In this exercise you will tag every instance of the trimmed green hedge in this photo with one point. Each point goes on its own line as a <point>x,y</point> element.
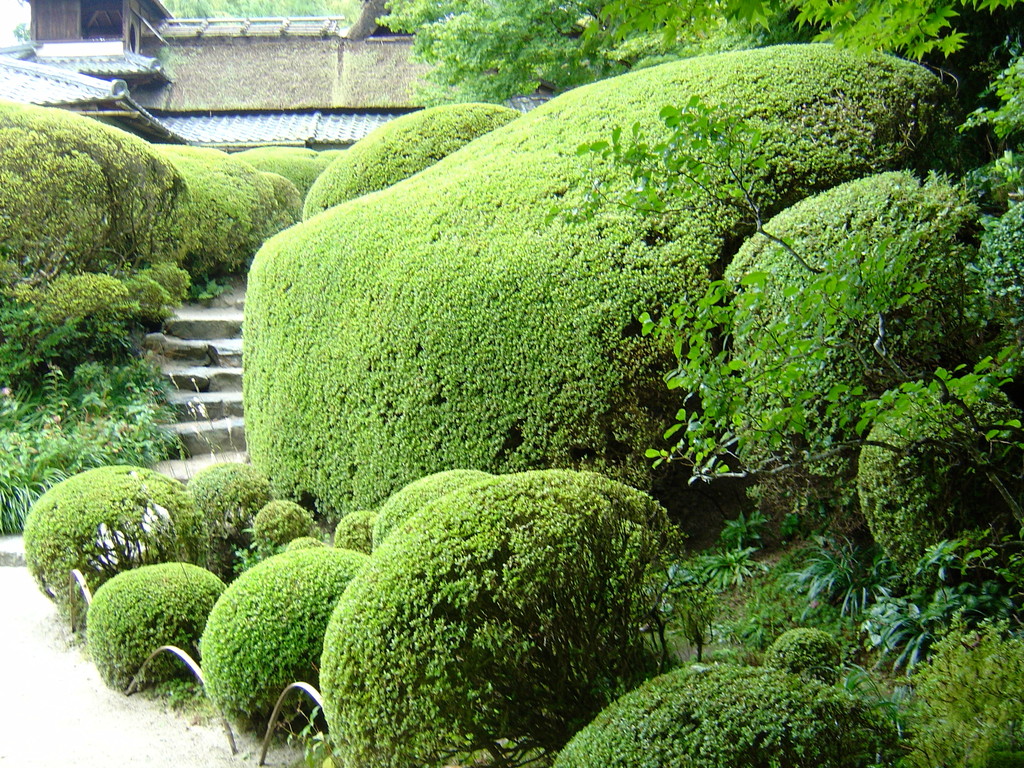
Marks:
<point>281,522</point>
<point>299,165</point>
<point>267,629</point>
<point>806,651</point>
<point>304,542</point>
<point>412,498</point>
<point>733,717</point>
<point>444,322</point>
<point>229,496</point>
<point>400,148</point>
<point>355,531</point>
<point>140,610</point>
<point>108,520</point>
<point>510,610</point>
<point>80,196</point>
<point>228,210</point>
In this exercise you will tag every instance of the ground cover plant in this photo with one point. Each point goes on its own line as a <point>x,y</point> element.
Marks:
<point>405,379</point>
<point>499,618</point>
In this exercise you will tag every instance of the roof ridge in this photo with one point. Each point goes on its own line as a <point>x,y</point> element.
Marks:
<point>108,88</point>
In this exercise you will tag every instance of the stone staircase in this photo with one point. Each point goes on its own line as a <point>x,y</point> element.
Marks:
<point>200,351</point>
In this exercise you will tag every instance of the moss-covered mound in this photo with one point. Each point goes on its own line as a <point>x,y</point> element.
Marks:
<point>106,521</point>
<point>732,717</point>
<point>444,322</point>
<point>412,498</point>
<point>280,522</point>
<point>299,165</point>
<point>140,610</point>
<point>806,651</point>
<point>79,196</point>
<point>228,210</point>
<point>911,481</point>
<point>267,629</point>
<point>229,496</point>
<point>400,148</point>
<point>509,611</point>
<point>355,531</point>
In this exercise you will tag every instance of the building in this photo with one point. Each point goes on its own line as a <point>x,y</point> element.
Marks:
<point>226,83</point>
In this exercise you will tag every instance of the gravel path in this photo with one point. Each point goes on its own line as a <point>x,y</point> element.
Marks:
<point>55,712</point>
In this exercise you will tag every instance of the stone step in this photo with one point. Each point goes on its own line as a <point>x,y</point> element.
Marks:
<point>196,322</point>
<point>197,406</point>
<point>217,437</point>
<point>185,469</point>
<point>204,378</point>
<point>219,352</point>
<point>12,551</point>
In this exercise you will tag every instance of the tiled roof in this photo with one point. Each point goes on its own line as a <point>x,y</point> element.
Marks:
<point>305,128</point>
<point>125,65</point>
<point>32,83</point>
<point>315,26</point>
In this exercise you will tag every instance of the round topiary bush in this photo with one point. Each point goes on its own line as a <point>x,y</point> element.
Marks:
<point>304,542</point>
<point>733,717</point>
<point>228,210</point>
<point>445,322</point>
<point>279,523</point>
<point>913,483</point>
<point>267,629</point>
<point>299,165</point>
<point>81,196</point>
<point>412,498</point>
<point>140,610</point>
<point>806,651</point>
<point>229,496</point>
<point>506,612</point>
<point>400,148</point>
<point>355,531</point>
<point>109,520</point>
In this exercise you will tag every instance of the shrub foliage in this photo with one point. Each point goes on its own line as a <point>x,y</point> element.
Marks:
<point>806,651</point>
<point>280,522</point>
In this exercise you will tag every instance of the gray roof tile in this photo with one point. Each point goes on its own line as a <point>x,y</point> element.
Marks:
<point>107,66</point>
<point>31,83</point>
<point>275,128</point>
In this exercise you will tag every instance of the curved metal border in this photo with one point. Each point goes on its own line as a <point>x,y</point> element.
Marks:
<point>76,583</point>
<point>306,688</point>
<point>194,668</point>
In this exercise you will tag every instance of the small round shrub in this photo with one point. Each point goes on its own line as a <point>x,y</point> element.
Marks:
<point>913,482</point>
<point>108,520</point>
<point>81,196</point>
<point>732,717</point>
<point>140,610</point>
<point>299,165</point>
<point>355,531</point>
<point>228,210</point>
<point>75,297</point>
<point>267,629</point>
<point>806,651</point>
<point>287,202</point>
<point>400,148</point>
<point>229,496</point>
<point>508,611</point>
<point>280,522</point>
<point>304,542</point>
<point>418,494</point>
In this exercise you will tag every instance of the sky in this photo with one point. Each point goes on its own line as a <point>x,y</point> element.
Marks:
<point>12,13</point>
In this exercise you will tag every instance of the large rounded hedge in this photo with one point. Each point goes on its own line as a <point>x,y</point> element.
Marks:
<point>412,498</point>
<point>924,229</point>
<point>444,322</point>
<point>80,196</point>
<point>400,148</point>
<point>267,629</point>
<point>299,165</point>
<point>506,612</point>
<point>228,210</point>
<point>140,610</point>
<point>733,717</point>
<point>229,496</point>
<point>918,481</point>
<point>108,520</point>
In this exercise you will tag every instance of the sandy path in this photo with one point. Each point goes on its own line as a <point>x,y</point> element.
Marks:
<point>55,712</point>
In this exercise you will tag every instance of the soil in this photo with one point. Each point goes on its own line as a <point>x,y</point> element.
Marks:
<point>56,712</point>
